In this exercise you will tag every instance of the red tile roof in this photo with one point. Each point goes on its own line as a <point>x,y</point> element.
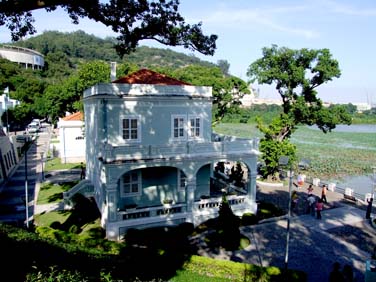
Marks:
<point>74,117</point>
<point>145,76</point>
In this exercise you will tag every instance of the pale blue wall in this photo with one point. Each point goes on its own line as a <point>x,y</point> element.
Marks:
<point>156,119</point>
<point>157,184</point>
<point>203,182</point>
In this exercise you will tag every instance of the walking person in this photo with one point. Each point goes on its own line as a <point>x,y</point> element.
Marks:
<point>311,201</point>
<point>319,207</point>
<point>324,190</point>
<point>82,175</point>
<point>294,200</point>
<point>369,208</point>
<point>310,190</point>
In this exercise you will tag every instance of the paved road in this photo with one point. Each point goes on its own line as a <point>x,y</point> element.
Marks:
<point>13,192</point>
<point>343,235</point>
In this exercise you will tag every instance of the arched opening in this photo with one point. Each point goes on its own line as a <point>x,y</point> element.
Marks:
<point>151,186</point>
<point>230,177</point>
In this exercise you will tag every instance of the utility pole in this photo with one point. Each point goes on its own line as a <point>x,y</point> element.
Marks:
<point>26,192</point>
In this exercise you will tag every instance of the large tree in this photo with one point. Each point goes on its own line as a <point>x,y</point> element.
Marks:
<point>133,20</point>
<point>227,90</point>
<point>296,75</point>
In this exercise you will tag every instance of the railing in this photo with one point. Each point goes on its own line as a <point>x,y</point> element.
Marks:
<point>165,210</point>
<point>114,153</point>
<point>359,196</point>
<point>162,210</point>
<point>216,202</point>
<point>83,186</point>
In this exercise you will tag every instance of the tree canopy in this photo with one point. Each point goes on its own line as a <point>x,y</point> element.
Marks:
<point>296,75</point>
<point>133,20</point>
<point>227,90</point>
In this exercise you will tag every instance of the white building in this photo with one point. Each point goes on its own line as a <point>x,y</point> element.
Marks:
<point>72,139</point>
<point>27,58</point>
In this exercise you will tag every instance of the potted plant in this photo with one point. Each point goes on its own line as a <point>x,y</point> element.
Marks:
<point>167,201</point>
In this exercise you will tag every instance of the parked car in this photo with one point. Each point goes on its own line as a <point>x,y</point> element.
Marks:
<point>33,127</point>
<point>37,121</point>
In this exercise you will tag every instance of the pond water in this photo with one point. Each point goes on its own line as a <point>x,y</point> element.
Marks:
<point>361,184</point>
<point>357,128</point>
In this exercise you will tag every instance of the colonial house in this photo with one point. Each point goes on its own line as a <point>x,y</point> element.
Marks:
<point>152,158</point>
<point>72,138</point>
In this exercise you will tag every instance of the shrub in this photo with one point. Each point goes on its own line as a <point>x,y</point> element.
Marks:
<point>74,229</point>
<point>228,226</point>
<point>186,228</point>
<point>249,219</point>
<point>54,274</point>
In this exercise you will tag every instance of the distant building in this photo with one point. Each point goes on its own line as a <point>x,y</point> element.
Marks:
<point>27,58</point>
<point>6,103</point>
<point>72,138</point>
<point>361,107</point>
<point>254,99</point>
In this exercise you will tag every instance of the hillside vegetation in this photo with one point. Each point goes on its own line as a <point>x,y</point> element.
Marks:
<point>79,45</point>
<point>76,61</point>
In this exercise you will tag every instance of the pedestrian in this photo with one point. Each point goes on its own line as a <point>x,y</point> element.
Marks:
<point>294,200</point>
<point>82,175</point>
<point>311,201</point>
<point>310,190</point>
<point>323,194</point>
<point>319,207</point>
<point>336,275</point>
<point>348,274</point>
<point>369,208</point>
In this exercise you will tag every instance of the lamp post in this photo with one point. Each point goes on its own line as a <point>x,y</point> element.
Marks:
<point>284,160</point>
<point>26,191</point>
<point>41,160</point>
<point>373,187</point>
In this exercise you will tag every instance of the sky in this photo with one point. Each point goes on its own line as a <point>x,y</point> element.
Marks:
<point>347,28</point>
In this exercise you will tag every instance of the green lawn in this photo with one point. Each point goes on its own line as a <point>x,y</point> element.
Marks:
<point>45,219</point>
<point>55,164</point>
<point>52,193</point>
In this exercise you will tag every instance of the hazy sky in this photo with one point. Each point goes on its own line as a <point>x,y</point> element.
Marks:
<point>244,27</point>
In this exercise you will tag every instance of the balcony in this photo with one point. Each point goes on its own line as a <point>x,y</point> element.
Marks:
<point>218,147</point>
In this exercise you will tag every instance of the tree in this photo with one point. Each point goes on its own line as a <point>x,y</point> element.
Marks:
<point>224,65</point>
<point>296,75</point>
<point>227,90</point>
<point>132,20</point>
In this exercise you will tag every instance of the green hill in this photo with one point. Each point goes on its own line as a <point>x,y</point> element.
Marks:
<point>79,46</point>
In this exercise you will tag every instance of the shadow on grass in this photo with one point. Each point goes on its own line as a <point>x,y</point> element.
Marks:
<point>148,254</point>
<point>55,197</point>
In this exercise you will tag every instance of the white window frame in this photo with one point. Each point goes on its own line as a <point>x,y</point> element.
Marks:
<point>180,178</point>
<point>138,182</point>
<point>183,127</point>
<point>189,126</point>
<point>131,117</point>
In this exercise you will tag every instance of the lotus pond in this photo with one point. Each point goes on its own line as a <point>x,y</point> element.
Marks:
<point>333,155</point>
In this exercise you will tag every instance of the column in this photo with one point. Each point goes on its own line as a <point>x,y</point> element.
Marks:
<point>190,194</point>
<point>251,189</point>
<point>112,201</point>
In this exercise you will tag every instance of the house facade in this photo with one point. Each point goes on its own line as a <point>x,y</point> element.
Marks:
<point>153,159</point>
<point>71,138</point>
<point>9,156</point>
